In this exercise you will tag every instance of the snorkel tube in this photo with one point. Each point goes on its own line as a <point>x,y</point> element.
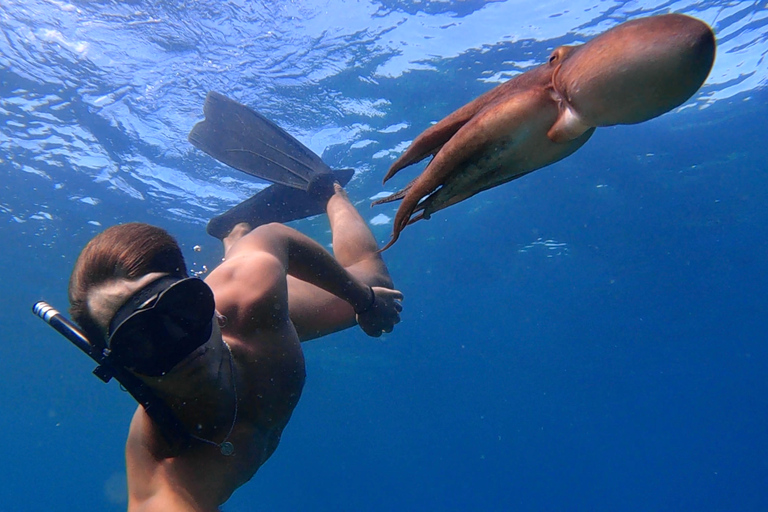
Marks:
<point>170,426</point>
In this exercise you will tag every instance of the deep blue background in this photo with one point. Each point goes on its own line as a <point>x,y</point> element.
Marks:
<point>625,370</point>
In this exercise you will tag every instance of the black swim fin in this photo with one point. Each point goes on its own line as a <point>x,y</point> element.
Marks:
<point>278,203</point>
<point>244,139</point>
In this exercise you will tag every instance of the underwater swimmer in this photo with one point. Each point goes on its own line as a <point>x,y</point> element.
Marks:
<point>216,365</point>
<point>223,354</point>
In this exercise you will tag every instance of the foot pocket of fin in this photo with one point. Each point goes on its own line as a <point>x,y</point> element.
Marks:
<point>279,203</point>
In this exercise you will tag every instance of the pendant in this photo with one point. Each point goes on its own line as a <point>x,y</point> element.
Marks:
<point>227,448</point>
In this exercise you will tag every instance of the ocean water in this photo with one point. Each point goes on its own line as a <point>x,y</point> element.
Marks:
<point>591,337</point>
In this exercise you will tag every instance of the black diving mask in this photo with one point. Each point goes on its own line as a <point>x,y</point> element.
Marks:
<point>161,324</point>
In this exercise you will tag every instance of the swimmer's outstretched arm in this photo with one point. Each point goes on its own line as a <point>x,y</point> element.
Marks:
<point>349,297</point>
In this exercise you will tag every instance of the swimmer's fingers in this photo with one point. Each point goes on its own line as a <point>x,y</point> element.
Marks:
<point>384,314</point>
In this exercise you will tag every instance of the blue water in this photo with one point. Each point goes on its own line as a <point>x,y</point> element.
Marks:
<point>590,337</point>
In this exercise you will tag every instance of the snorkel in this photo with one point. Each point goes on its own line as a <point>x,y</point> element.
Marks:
<point>170,426</point>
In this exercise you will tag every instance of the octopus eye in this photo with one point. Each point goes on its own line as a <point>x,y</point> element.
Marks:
<point>555,56</point>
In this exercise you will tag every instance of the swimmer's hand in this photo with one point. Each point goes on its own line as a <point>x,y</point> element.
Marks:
<point>383,313</point>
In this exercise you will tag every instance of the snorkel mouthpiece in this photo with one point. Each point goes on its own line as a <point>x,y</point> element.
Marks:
<point>160,325</point>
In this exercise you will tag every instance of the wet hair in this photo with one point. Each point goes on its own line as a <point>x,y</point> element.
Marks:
<point>127,251</point>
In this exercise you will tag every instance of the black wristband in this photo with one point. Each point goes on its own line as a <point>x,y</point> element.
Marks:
<point>369,306</point>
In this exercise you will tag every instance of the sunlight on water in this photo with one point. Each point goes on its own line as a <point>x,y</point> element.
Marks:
<point>551,248</point>
<point>380,220</point>
<point>117,81</point>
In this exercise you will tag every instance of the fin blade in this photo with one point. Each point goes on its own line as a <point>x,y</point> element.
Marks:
<point>244,139</point>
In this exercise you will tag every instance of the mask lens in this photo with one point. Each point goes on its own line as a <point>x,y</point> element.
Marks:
<point>164,330</point>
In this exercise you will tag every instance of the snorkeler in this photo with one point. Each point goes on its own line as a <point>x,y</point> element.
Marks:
<point>218,363</point>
